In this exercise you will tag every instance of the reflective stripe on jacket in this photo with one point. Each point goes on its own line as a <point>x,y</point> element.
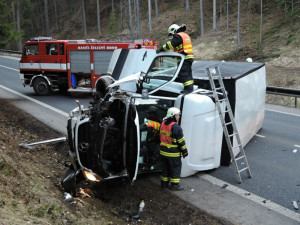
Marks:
<point>167,141</point>
<point>154,125</point>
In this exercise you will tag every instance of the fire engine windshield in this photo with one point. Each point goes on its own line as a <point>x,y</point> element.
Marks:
<point>32,49</point>
<point>162,70</point>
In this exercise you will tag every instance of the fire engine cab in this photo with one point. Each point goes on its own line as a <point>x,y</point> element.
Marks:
<point>74,65</point>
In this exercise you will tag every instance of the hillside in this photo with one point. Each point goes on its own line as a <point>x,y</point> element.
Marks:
<point>278,50</point>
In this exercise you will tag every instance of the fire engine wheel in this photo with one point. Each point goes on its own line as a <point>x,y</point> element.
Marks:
<point>41,87</point>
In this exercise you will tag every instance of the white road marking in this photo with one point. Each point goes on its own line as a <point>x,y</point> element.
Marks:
<point>11,57</point>
<point>259,200</point>
<point>35,101</point>
<point>297,146</point>
<point>292,114</point>
<point>258,135</point>
<point>9,68</point>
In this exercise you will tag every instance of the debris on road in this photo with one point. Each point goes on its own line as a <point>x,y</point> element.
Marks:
<point>295,205</point>
<point>295,150</point>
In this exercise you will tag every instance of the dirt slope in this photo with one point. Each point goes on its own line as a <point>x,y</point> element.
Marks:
<point>30,190</point>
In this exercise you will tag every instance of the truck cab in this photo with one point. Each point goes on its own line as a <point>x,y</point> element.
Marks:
<point>109,139</point>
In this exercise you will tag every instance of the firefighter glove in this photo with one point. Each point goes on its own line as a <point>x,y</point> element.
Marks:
<point>185,154</point>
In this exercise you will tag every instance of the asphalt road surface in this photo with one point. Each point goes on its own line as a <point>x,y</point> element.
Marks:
<point>273,154</point>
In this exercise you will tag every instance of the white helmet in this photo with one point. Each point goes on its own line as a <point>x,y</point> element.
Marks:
<point>171,112</point>
<point>173,29</point>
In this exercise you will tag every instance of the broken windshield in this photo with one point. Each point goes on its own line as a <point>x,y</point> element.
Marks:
<point>162,70</point>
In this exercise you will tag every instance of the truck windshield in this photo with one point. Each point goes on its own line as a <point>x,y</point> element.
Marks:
<point>32,49</point>
<point>162,70</point>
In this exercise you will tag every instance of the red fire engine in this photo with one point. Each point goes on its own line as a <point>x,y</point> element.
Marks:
<point>73,65</point>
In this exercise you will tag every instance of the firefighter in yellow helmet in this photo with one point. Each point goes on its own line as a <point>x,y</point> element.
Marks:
<point>172,147</point>
<point>181,43</point>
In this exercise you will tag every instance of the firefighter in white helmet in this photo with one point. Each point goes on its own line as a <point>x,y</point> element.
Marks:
<point>181,43</point>
<point>172,147</point>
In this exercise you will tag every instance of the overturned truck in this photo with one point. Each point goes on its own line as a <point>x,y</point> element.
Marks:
<point>109,139</point>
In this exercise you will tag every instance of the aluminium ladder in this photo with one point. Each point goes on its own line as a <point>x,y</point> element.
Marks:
<point>222,113</point>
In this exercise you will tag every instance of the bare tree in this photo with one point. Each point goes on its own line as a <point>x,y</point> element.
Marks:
<point>55,15</point>
<point>46,18</point>
<point>138,16</point>
<point>187,5</point>
<point>156,9</point>
<point>227,15</point>
<point>149,14</point>
<point>215,15</point>
<point>83,20</point>
<point>238,23</point>
<point>18,25</point>
<point>261,18</point>
<point>121,15</point>
<point>201,18</point>
<point>98,18</point>
<point>130,19</point>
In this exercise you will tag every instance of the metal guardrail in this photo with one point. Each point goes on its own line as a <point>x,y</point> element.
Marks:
<point>10,51</point>
<point>285,92</point>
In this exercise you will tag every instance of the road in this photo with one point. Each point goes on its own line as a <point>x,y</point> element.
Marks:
<point>273,155</point>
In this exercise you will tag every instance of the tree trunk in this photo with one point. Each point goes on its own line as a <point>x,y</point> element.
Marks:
<point>227,14</point>
<point>55,15</point>
<point>83,20</point>
<point>149,14</point>
<point>121,15</point>
<point>187,5</point>
<point>98,18</point>
<point>215,15</point>
<point>238,23</point>
<point>130,19</point>
<point>201,18</point>
<point>19,25</point>
<point>156,9</point>
<point>138,16</point>
<point>47,18</point>
<point>261,18</point>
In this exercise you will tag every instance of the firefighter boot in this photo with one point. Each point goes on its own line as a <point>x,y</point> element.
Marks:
<point>176,187</point>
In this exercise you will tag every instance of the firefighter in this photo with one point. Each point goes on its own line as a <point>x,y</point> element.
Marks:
<point>181,43</point>
<point>172,147</point>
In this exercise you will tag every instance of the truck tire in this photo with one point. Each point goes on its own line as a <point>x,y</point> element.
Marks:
<point>41,86</point>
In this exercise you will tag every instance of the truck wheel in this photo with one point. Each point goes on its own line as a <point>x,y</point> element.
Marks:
<point>41,87</point>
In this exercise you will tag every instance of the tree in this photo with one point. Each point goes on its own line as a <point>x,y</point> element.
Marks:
<point>261,18</point>
<point>138,16</point>
<point>47,18</point>
<point>156,9</point>
<point>215,15</point>
<point>227,15</point>
<point>98,18</point>
<point>238,23</point>
<point>187,5</point>
<point>83,20</point>
<point>149,14</point>
<point>55,15</point>
<point>201,18</point>
<point>130,19</point>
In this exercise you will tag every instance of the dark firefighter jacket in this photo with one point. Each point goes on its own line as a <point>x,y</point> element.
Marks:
<point>172,141</point>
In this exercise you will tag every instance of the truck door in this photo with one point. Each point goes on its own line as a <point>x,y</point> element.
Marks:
<point>31,57</point>
<point>54,57</point>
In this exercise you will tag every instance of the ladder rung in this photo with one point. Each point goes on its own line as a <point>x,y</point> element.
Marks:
<point>241,157</point>
<point>231,135</point>
<point>243,169</point>
<point>227,111</point>
<point>228,123</point>
<point>236,146</point>
<point>219,88</point>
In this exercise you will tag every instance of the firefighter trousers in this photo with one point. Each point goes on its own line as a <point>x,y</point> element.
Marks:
<point>171,169</point>
<point>185,75</point>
